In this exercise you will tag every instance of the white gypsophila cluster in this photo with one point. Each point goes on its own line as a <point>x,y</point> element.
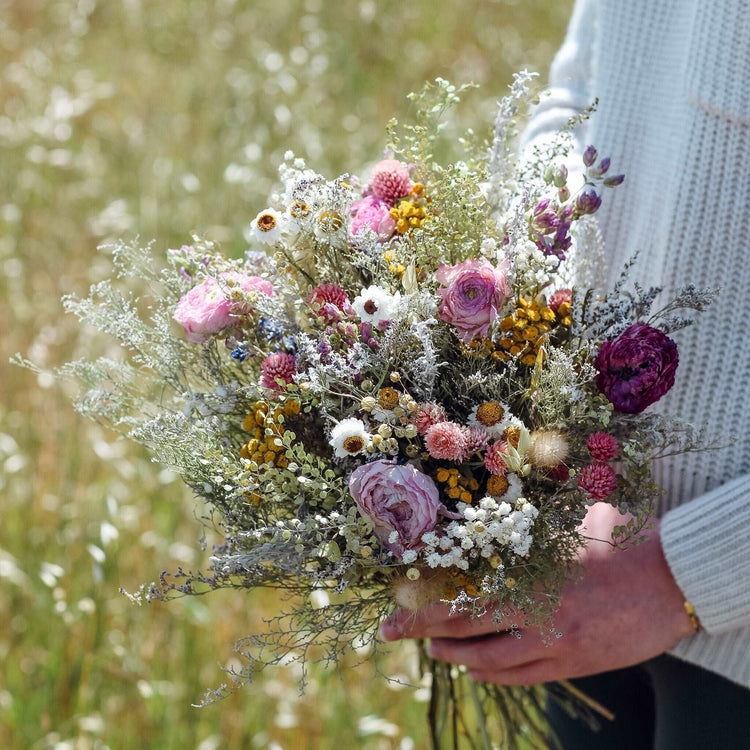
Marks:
<point>531,268</point>
<point>486,530</point>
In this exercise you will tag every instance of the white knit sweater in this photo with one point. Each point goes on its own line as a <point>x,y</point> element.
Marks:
<point>673,82</point>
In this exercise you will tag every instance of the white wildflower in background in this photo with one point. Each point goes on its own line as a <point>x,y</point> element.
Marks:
<point>267,227</point>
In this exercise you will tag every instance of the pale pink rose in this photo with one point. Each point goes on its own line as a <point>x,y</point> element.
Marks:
<point>397,498</point>
<point>207,308</point>
<point>473,293</point>
<point>375,214</point>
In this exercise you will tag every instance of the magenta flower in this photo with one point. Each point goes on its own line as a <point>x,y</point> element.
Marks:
<point>208,308</point>
<point>602,446</point>
<point>474,292</point>
<point>476,439</point>
<point>598,479</point>
<point>559,297</point>
<point>428,415</point>
<point>389,180</point>
<point>637,368</point>
<point>278,365</point>
<point>401,502</point>
<point>375,214</point>
<point>332,300</point>
<point>447,440</point>
<point>493,458</point>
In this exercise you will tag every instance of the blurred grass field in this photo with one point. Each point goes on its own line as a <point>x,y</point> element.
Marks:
<point>139,117</point>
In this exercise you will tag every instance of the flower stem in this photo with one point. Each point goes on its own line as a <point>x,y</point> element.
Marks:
<point>481,717</point>
<point>587,700</point>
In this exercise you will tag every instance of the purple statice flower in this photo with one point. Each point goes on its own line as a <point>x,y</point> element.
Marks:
<point>637,368</point>
<point>589,156</point>
<point>614,180</point>
<point>588,202</point>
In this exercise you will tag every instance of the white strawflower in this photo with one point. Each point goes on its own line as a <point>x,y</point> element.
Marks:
<point>349,437</point>
<point>266,227</point>
<point>375,305</point>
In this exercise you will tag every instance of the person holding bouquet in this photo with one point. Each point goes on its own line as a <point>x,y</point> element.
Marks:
<point>660,632</point>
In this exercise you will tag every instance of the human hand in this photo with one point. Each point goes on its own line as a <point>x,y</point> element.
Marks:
<point>623,609</point>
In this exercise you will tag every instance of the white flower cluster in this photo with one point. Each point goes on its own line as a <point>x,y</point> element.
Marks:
<point>531,267</point>
<point>483,532</point>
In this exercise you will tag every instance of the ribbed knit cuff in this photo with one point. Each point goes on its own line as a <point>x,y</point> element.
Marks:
<point>707,545</point>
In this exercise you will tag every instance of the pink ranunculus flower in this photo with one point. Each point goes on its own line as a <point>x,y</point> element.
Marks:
<point>397,498</point>
<point>375,214</point>
<point>473,293</point>
<point>207,308</point>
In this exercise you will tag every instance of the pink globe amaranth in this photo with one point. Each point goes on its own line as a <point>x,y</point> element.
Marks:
<point>389,180</point>
<point>400,498</point>
<point>375,214</point>
<point>332,302</point>
<point>447,440</point>
<point>598,480</point>
<point>207,308</point>
<point>637,368</point>
<point>493,458</point>
<point>559,297</point>
<point>602,446</point>
<point>473,293</point>
<point>428,415</point>
<point>275,367</point>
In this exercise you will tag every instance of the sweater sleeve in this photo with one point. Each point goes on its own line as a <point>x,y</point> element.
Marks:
<point>707,545</point>
<point>569,88</point>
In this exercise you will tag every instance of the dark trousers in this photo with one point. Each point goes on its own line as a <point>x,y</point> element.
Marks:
<point>663,704</point>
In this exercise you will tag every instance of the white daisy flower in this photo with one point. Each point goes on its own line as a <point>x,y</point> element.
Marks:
<point>349,437</point>
<point>492,416</point>
<point>267,226</point>
<point>329,226</point>
<point>375,305</point>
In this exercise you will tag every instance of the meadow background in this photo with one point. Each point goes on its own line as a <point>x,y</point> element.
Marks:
<point>157,118</point>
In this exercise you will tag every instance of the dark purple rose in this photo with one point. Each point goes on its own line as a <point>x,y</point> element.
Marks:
<point>637,368</point>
